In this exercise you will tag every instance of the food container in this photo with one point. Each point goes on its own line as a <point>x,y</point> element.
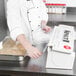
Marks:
<point>11,50</point>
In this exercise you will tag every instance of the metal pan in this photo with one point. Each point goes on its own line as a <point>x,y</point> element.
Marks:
<point>11,58</point>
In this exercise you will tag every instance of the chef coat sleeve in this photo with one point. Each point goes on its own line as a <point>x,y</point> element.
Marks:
<point>44,15</point>
<point>14,19</point>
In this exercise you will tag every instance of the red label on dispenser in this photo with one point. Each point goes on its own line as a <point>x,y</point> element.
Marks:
<point>67,47</point>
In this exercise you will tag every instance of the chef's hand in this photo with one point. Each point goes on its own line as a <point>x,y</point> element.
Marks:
<point>45,27</point>
<point>33,52</point>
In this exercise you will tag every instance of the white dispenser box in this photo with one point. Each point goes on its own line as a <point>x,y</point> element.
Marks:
<point>59,60</point>
<point>60,48</point>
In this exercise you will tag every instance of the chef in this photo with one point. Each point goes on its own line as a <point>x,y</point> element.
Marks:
<point>27,22</point>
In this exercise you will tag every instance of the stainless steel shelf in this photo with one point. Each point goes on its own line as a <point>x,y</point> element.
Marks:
<point>62,17</point>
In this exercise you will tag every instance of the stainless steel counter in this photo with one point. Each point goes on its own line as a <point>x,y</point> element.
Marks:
<point>33,67</point>
<point>69,17</point>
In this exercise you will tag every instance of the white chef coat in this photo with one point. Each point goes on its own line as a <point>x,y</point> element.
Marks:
<point>24,17</point>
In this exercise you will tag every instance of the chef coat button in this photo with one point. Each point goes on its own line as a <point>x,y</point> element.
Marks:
<point>38,25</point>
<point>39,16</point>
<point>27,12</point>
<point>29,21</point>
<point>37,7</point>
<point>28,0</point>
<point>32,30</point>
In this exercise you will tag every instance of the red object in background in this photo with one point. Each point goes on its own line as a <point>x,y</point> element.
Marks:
<point>53,4</point>
<point>44,0</point>
<point>67,47</point>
